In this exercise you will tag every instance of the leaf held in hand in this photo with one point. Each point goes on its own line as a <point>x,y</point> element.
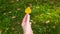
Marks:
<point>28,10</point>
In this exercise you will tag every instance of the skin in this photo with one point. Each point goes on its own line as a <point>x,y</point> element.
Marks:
<point>26,25</point>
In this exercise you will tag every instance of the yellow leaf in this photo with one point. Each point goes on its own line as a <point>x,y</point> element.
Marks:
<point>28,10</point>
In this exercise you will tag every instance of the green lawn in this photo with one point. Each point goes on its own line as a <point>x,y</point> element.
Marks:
<point>45,16</point>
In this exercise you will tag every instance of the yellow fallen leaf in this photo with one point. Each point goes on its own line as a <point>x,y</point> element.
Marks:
<point>28,10</point>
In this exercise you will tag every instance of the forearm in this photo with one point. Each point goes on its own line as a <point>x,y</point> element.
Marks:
<point>28,32</point>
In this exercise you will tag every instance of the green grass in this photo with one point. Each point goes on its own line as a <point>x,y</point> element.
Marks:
<point>45,16</point>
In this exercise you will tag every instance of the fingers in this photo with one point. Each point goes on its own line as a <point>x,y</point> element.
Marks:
<point>26,19</point>
<point>30,23</point>
<point>23,22</point>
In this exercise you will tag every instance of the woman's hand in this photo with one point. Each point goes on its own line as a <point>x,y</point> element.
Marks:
<point>26,25</point>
